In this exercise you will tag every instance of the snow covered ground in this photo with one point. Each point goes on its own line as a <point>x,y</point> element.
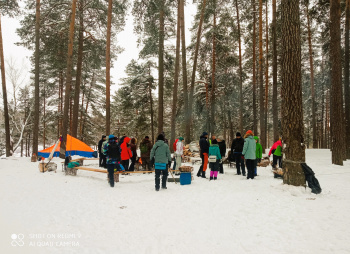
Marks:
<point>54,213</point>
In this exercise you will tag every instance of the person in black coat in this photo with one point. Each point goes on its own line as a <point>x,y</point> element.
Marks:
<point>204,151</point>
<point>222,146</point>
<point>102,157</point>
<point>236,150</point>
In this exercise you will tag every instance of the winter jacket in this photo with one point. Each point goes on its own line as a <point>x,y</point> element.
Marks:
<point>149,146</point>
<point>100,144</point>
<point>237,145</point>
<point>258,148</point>
<point>103,150</point>
<point>204,145</point>
<point>179,147</point>
<point>160,152</point>
<point>277,146</point>
<point>215,150</point>
<point>133,148</point>
<point>110,160</point>
<point>126,152</point>
<point>222,146</point>
<point>249,148</point>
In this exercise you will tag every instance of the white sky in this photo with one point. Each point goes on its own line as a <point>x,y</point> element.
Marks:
<point>126,39</point>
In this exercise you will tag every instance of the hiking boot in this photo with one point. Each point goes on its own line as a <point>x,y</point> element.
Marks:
<point>203,174</point>
<point>215,178</point>
<point>157,189</point>
<point>164,187</point>
<point>211,178</point>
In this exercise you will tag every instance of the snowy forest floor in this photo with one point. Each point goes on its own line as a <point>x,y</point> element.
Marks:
<point>55,213</point>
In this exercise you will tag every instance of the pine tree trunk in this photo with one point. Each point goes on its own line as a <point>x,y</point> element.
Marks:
<point>266,75</point>
<point>292,111</point>
<point>274,74</point>
<point>261,81</point>
<point>93,82</point>
<point>161,69</point>
<point>36,79</point>
<point>195,59</point>
<point>213,88</point>
<point>347,79</point>
<point>108,69</point>
<point>75,121</point>
<point>337,114</point>
<point>184,74</point>
<point>44,120</point>
<point>240,71</point>
<point>313,103</point>
<point>68,81</point>
<point>255,122</point>
<point>4,94</point>
<point>176,77</point>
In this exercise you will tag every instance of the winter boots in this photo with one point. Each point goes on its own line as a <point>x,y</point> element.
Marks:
<point>203,174</point>
<point>200,171</point>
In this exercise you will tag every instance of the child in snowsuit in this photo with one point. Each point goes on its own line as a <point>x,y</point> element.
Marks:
<point>214,150</point>
<point>258,155</point>
<point>112,152</point>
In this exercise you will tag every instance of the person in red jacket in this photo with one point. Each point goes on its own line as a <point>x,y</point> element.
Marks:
<point>126,153</point>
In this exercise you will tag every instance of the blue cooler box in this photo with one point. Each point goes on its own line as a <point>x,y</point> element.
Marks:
<point>185,178</point>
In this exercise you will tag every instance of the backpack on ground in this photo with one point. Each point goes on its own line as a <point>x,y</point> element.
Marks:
<point>312,181</point>
<point>114,151</point>
<point>144,148</point>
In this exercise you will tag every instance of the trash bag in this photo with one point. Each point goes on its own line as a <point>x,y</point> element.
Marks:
<point>312,181</point>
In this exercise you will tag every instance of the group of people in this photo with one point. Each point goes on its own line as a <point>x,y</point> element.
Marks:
<point>116,153</point>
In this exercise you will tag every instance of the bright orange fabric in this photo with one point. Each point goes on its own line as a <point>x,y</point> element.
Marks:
<point>72,144</point>
<point>205,161</point>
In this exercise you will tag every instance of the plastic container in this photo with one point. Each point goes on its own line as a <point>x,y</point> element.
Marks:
<point>185,178</point>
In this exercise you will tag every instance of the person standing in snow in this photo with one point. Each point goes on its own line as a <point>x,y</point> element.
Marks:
<point>276,150</point>
<point>126,154</point>
<point>258,154</point>
<point>103,150</point>
<point>161,157</point>
<point>133,148</point>
<point>145,149</point>
<point>204,150</point>
<point>102,158</point>
<point>112,153</point>
<point>249,153</point>
<point>214,150</point>
<point>236,150</point>
<point>178,154</point>
<point>222,146</point>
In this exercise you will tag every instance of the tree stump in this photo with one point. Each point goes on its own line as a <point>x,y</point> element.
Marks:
<point>293,173</point>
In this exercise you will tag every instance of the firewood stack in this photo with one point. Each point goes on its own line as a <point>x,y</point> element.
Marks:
<point>188,153</point>
<point>186,169</point>
<point>264,162</point>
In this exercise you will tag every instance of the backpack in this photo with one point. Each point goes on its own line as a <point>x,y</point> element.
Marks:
<point>144,148</point>
<point>114,151</point>
<point>174,145</point>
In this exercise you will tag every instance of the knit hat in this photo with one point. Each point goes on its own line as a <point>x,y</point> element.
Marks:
<point>160,137</point>
<point>214,142</point>
<point>238,134</point>
<point>103,136</point>
<point>204,134</point>
<point>181,138</point>
<point>249,132</point>
<point>111,137</point>
<point>146,137</point>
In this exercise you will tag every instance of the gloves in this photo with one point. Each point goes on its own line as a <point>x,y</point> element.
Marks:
<point>152,162</point>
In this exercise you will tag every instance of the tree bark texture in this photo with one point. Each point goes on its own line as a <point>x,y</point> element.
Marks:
<point>161,69</point>
<point>108,69</point>
<point>75,121</point>
<point>261,80</point>
<point>292,111</point>
<point>255,122</point>
<point>195,60</point>
<point>347,79</point>
<point>176,78</point>
<point>212,104</point>
<point>36,79</point>
<point>4,96</point>
<point>266,74</point>
<point>274,74</point>
<point>68,81</point>
<point>337,114</point>
<point>240,71</point>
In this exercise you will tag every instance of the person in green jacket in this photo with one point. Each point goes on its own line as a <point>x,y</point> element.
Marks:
<point>258,154</point>
<point>249,152</point>
<point>161,158</point>
<point>214,150</point>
